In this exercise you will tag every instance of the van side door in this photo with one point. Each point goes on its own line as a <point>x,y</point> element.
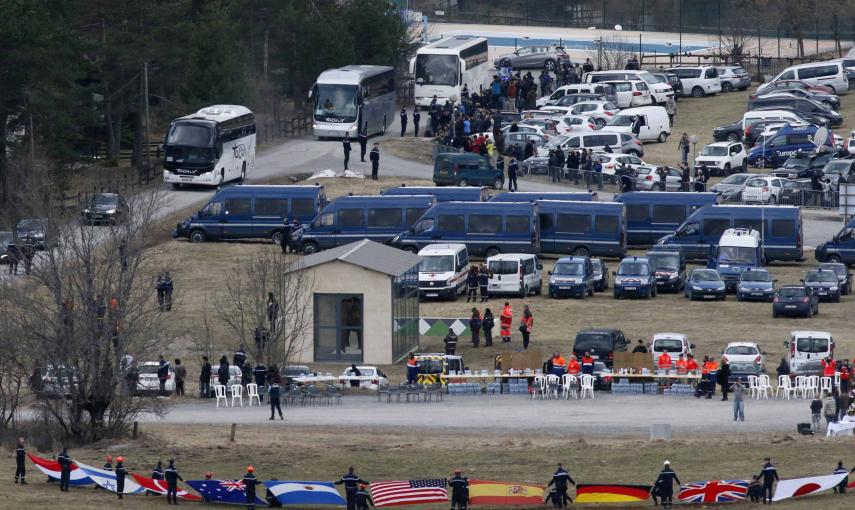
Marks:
<point>236,221</point>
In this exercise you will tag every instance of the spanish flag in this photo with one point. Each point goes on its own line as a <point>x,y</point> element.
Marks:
<point>611,493</point>
<point>485,492</point>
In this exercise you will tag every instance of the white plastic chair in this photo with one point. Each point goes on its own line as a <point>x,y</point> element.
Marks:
<point>587,385</point>
<point>764,386</point>
<point>825,386</point>
<point>801,386</point>
<point>538,385</point>
<point>753,382</point>
<point>568,386</point>
<point>785,387</point>
<point>552,385</point>
<point>220,392</point>
<point>837,380</point>
<point>813,385</point>
<point>252,393</point>
<point>237,393</point>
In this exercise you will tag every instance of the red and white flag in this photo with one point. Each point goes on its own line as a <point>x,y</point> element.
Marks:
<point>408,492</point>
<point>804,486</point>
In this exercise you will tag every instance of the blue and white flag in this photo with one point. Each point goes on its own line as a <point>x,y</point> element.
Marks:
<point>107,480</point>
<point>223,491</point>
<point>297,492</point>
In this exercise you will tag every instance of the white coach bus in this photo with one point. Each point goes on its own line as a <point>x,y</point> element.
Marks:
<point>210,147</point>
<point>351,97</point>
<point>443,67</point>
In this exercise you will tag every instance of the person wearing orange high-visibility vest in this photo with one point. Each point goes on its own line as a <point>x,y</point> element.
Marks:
<point>558,365</point>
<point>664,362</point>
<point>573,366</point>
<point>705,375</point>
<point>712,376</point>
<point>588,364</point>
<point>691,364</point>
<point>681,365</point>
<point>828,367</point>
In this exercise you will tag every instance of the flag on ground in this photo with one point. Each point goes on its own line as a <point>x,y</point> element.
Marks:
<point>610,493</point>
<point>107,480</point>
<point>51,469</point>
<point>486,492</point>
<point>159,487</point>
<point>223,491</point>
<point>408,492</point>
<point>714,491</point>
<point>796,487</point>
<point>296,492</point>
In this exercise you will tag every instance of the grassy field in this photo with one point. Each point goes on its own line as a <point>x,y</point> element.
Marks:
<point>383,454</point>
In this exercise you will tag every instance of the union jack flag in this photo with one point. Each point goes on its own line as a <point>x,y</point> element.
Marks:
<point>714,491</point>
<point>232,485</point>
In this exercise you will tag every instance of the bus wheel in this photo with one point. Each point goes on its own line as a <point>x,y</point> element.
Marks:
<point>497,185</point>
<point>835,258</point>
<point>409,249</point>
<point>197,236</point>
<point>176,185</point>
<point>492,251</point>
<point>463,182</point>
<point>242,173</point>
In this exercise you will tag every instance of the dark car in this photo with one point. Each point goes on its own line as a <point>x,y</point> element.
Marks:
<point>796,300</point>
<point>601,275</point>
<point>6,238</point>
<point>105,208</point>
<point>824,284</point>
<point>466,169</point>
<point>796,191</point>
<point>290,372</point>
<point>740,371</point>
<point>673,80</point>
<point>837,168</point>
<point>807,369</point>
<point>755,284</point>
<point>844,277</point>
<point>786,84</point>
<point>803,164</point>
<point>670,268</point>
<point>602,376</point>
<point>600,343</point>
<point>829,100</point>
<point>797,104</point>
<point>705,284</point>
<point>37,231</point>
<point>728,132</point>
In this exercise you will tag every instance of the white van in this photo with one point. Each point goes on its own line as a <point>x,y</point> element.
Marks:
<point>443,271</point>
<point>659,89</point>
<point>631,93</point>
<point>770,116</point>
<point>698,81</point>
<point>654,123</point>
<point>597,141</point>
<point>514,273</point>
<point>578,88</point>
<point>806,346</point>
<point>674,344</point>
<point>831,74</point>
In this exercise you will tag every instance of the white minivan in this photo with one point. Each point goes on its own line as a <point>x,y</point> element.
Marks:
<point>654,123</point>
<point>514,273</point>
<point>698,81</point>
<point>659,89</point>
<point>631,93</point>
<point>770,116</point>
<point>831,73</point>
<point>675,344</point>
<point>804,346</point>
<point>443,271</point>
<point>577,88</point>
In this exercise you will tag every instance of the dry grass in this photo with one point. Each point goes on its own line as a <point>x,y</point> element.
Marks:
<point>325,454</point>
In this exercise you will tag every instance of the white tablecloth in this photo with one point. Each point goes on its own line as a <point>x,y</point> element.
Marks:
<point>841,428</point>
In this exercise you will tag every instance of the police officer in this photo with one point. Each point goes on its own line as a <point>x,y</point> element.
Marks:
<point>374,156</point>
<point>157,472</point>
<point>64,461</point>
<point>346,146</point>
<point>513,166</point>
<point>459,491</point>
<point>239,357</point>
<point>664,484</point>
<point>561,479</point>
<point>108,464</point>
<point>287,228</point>
<point>484,282</point>
<point>274,383</point>
<point>472,284</point>
<point>351,483</point>
<point>362,137</point>
<point>769,475</point>
<point>167,285</point>
<point>840,470</point>
<point>260,375</point>
<point>171,475</point>
<point>20,466</point>
<point>417,117</point>
<point>250,482</point>
<point>403,122</point>
<point>121,474</point>
<point>363,498</point>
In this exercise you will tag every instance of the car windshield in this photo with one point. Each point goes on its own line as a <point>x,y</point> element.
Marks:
<point>741,350</point>
<point>632,269</point>
<point>621,120</point>
<point>797,161</point>
<point>821,276</point>
<point>665,262</point>
<point>569,269</point>
<point>668,345</point>
<point>593,341</point>
<point>437,264</point>
<point>31,224</point>
<point>836,167</point>
<point>105,200</point>
<point>504,266</point>
<point>556,142</point>
<point>736,179</point>
<point>792,292</point>
<point>598,264</point>
<point>741,254</point>
<point>714,151</point>
<point>839,269</point>
<point>705,276</point>
<point>756,276</point>
<point>336,101</point>
<point>812,345</point>
<point>751,368</point>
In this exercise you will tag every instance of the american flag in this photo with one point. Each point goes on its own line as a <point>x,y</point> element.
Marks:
<point>408,492</point>
<point>714,491</point>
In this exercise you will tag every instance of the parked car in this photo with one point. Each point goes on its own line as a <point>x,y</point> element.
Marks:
<point>234,377</point>
<point>755,285</point>
<point>37,231</point>
<point>612,161</point>
<point>647,179</point>
<point>602,376</point>
<point>698,81</point>
<point>378,377</point>
<point>673,80</point>
<point>763,189</point>
<point>743,352</point>
<point>462,169</point>
<point>837,168</point>
<point>675,344</point>
<point>631,93</point>
<point>803,164</point>
<point>824,284</point>
<point>601,275</point>
<point>728,132</point>
<point>566,103</point>
<point>635,277</point>
<point>600,343</point>
<point>6,238</point>
<point>55,381</point>
<point>515,273</point>
<point>600,111</point>
<point>729,189</point>
<point>829,100</point>
<point>785,84</point>
<point>797,104</point>
<point>569,123</point>
<point>795,300</point>
<point>572,277</point>
<point>844,277</point>
<point>723,158</point>
<point>542,56</point>
<point>733,78</point>
<point>670,269</point>
<point>705,284</point>
<point>741,371</point>
<point>148,381</point>
<point>108,208</point>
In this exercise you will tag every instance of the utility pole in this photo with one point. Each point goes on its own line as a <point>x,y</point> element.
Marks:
<point>680,52</point>
<point>145,99</point>
<point>32,143</point>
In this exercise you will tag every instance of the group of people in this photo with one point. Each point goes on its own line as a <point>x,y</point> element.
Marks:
<point>373,156</point>
<point>267,378</point>
<point>164,287</point>
<point>21,252</point>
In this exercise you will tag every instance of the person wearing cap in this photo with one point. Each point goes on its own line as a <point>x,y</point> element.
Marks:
<point>769,475</point>
<point>65,463</point>
<point>573,366</point>
<point>459,491</point>
<point>171,475</point>
<point>664,484</point>
<point>588,364</point>
<point>250,482</point>
<point>108,463</point>
<point>121,474</point>
<point>20,465</point>
<point>351,483</point>
<point>561,479</point>
<point>363,498</point>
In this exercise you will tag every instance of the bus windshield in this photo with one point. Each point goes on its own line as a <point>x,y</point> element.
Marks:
<point>437,69</point>
<point>336,101</point>
<point>191,135</point>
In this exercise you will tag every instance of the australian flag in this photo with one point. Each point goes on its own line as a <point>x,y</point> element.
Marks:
<point>223,491</point>
<point>714,491</point>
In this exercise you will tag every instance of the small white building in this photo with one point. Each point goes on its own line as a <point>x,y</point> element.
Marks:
<point>365,304</point>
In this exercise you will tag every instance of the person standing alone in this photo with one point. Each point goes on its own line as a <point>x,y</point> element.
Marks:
<point>363,142</point>
<point>171,475</point>
<point>526,323</point>
<point>738,401</point>
<point>403,122</point>
<point>769,475</point>
<point>505,322</point>
<point>345,145</point>
<point>417,117</point>
<point>20,465</point>
<point>375,160</point>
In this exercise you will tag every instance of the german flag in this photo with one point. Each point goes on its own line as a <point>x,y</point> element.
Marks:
<point>611,493</point>
<point>486,492</point>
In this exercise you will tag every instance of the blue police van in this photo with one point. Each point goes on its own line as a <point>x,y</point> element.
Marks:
<point>582,228</point>
<point>486,228</point>
<point>534,196</point>
<point>789,140</point>
<point>351,218</point>
<point>442,194</point>
<point>841,247</point>
<point>653,214</point>
<point>780,227</point>
<point>249,211</point>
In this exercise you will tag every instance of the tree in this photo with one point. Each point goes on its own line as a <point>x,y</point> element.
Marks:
<point>612,52</point>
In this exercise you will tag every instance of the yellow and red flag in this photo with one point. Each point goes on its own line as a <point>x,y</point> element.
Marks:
<point>608,493</point>
<point>487,492</point>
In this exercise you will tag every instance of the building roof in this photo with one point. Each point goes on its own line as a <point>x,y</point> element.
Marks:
<point>366,254</point>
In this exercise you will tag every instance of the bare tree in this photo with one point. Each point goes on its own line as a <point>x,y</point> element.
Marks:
<point>611,52</point>
<point>267,305</point>
<point>13,368</point>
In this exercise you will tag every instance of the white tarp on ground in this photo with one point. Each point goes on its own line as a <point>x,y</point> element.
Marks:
<point>329,174</point>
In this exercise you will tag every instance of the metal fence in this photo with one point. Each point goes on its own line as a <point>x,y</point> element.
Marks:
<point>270,130</point>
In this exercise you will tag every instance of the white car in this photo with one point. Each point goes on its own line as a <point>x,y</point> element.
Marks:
<point>148,380</point>
<point>743,352</point>
<point>723,158</point>
<point>521,128</point>
<point>763,189</point>
<point>601,111</point>
<point>514,273</point>
<point>850,146</point>
<point>378,378</point>
<point>674,344</point>
<point>570,123</point>
<point>632,93</point>
<point>611,161</point>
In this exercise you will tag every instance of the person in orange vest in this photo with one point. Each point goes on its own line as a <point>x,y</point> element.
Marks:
<point>664,361</point>
<point>705,375</point>
<point>681,365</point>
<point>587,364</point>
<point>828,367</point>
<point>558,364</point>
<point>412,369</point>
<point>691,364</point>
<point>573,367</point>
<point>505,322</point>
<point>712,377</point>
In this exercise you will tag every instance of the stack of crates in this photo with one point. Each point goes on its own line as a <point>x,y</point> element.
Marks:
<point>464,388</point>
<point>680,389</point>
<point>494,388</point>
<point>623,386</point>
<point>517,386</point>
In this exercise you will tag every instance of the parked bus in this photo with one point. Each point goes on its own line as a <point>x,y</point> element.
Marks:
<point>653,214</point>
<point>210,147</point>
<point>351,97</point>
<point>582,228</point>
<point>443,67</point>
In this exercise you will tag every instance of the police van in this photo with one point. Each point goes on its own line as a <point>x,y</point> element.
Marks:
<point>738,250</point>
<point>789,140</point>
<point>841,247</point>
<point>443,271</point>
<point>582,228</point>
<point>653,214</point>
<point>442,194</point>
<point>534,196</point>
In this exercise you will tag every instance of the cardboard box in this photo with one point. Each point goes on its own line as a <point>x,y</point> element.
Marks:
<point>633,361</point>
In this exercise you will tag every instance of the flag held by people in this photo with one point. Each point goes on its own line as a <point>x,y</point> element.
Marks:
<point>611,493</point>
<point>796,487</point>
<point>51,469</point>
<point>408,492</point>
<point>486,492</point>
<point>107,480</point>
<point>714,491</point>
<point>296,492</point>
<point>223,491</point>
<point>159,487</point>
